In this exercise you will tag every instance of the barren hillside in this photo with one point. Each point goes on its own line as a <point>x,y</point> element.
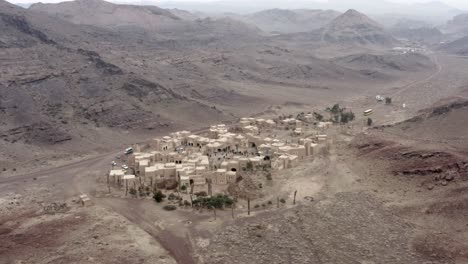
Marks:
<point>457,27</point>
<point>458,47</point>
<point>52,94</point>
<point>425,35</point>
<point>353,27</point>
<point>106,14</point>
<point>103,76</point>
<point>441,124</point>
<point>146,21</point>
<point>290,21</point>
<point>390,65</point>
<point>349,33</point>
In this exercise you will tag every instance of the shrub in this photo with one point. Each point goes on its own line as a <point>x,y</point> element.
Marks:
<point>132,191</point>
<point>141,191</point>
<point>183,188</point>
<point>369,121</point>
<point>218,201</point>
<point>256,206</point>
<point>159,196</point>
<point>249,166</point>
<point>270,202</point>
<point>282,200</point>
<point>171,197</point>
<point>318,116</point>
<point>339,115</point>
<point>201,194</point>
<point>388,100</point>
<point>347,117</point>
<point>335,109</point>
<point>170,207</point>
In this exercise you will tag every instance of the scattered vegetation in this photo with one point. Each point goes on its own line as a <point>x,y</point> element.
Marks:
<point>340,115</point>
<point>142,191</point>
<point>218,201</point>
<point>170,207</point>
<point>172,197</point>
<point>249,166</point>
<point>201,194</point>
<point>318,116</point>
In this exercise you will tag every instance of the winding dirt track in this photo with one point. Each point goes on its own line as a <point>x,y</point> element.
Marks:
<point>414,84</point>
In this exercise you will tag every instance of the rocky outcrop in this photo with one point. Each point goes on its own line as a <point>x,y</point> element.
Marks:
<point>39,133</point>
<point>21,24</point>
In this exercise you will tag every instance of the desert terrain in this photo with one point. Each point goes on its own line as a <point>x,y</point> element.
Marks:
<point>81,81</point>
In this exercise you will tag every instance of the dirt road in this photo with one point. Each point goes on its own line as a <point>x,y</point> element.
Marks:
<point>148,216</point>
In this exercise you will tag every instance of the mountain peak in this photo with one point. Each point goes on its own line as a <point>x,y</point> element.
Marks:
<point>352,12</point>
<point>352,18</point>
<point>93,2</point>
<point>353,27</point>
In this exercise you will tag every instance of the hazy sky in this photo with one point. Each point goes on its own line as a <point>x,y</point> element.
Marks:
<point>463,4</point>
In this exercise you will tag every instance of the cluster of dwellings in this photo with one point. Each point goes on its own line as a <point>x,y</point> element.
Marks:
<point>217,156</point>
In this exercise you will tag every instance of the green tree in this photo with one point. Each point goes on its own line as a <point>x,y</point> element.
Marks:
<point>335,109</point>
<point>318,116</point>
<point>249,166</point>
<point>159,196</point>
<point>347,117</point>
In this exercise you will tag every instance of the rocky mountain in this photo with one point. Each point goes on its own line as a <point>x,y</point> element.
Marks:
<point>51,91</point>
<point>458,47</point>
<point>91,82</point>
<point>457,27</point>
<point>108,15</point>
<point>434,12</point>
<point>354,27</point>
<point>146,20</point>
<point>405,23</point>
<point>186,15</point>
<point>290,21</point>
<point>425,35</point>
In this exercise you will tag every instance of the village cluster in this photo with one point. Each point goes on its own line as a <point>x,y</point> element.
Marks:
<point>217,156</point>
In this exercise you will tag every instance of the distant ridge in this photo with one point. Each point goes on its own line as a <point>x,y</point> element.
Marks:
<point>353,27</point>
